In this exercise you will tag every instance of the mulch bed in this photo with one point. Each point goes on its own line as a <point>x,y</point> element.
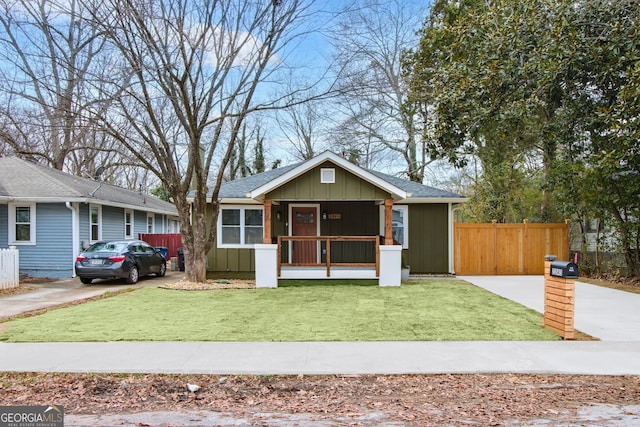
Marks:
<point>184,285</point>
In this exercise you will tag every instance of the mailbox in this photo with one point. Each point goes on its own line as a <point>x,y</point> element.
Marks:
<point>566,269</point>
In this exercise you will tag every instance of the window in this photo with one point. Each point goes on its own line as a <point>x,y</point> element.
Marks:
<point>399,224</point>
<point>22,224</point>
<point>327,175</point>
<point>240,227</point>
<point>150,223</point>
<point>128,224</point>
<point>95,216</point>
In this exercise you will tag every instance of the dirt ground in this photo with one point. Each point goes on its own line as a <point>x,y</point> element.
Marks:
<point>367,400</point>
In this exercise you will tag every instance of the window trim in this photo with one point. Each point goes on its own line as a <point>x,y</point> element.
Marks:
<point>153,223</point>
<point>11,237</point>
<point>99,209</point>
<point>328,179</point>
<point>405,221</point>
<point>242,209</point>
<point>131,224</point>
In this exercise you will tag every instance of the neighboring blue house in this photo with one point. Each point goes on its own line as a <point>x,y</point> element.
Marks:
<point>50,216</point>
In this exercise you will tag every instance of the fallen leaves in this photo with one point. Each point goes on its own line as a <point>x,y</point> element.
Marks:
<point>412,399</point>
<point>21,289</point>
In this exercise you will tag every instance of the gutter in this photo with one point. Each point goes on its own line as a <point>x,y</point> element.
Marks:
<point>94,201</point>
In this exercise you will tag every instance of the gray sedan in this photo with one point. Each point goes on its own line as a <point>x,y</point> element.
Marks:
<point>127,259</point>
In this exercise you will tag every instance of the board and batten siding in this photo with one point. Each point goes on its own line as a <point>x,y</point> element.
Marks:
<point>428,251</point>
<point>52,256</point>
<point>307,187</point>
<point>231,260</point>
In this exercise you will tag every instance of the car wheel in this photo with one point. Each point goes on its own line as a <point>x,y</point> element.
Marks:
<point>133,275</point>
<point>86,281</point>
<point>163,270</point>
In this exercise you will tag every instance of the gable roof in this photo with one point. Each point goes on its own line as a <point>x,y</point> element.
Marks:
<point>253,188</point>
<point>25,181</point>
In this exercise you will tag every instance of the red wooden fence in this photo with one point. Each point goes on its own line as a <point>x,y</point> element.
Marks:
<point>170,241</point>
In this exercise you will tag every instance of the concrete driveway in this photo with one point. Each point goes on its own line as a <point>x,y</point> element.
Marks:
<point>608,314</point>
<point>62,291</point>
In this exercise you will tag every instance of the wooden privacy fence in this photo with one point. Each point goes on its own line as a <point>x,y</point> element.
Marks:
<point>9,268</point>
<point>505,249</point>
<point>169,241</point>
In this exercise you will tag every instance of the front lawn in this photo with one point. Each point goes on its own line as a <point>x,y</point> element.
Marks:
<point>430,310</point>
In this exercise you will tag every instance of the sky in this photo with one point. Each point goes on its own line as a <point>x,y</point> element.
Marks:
<point>314,52</point>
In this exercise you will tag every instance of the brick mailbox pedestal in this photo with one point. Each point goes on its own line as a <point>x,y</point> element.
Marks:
<point>559,295</point>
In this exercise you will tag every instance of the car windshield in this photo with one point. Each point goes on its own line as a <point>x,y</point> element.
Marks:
<point>108,247</point>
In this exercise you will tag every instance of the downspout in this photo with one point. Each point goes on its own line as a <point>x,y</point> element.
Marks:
<point>451,237</point>
<point>75,234</point>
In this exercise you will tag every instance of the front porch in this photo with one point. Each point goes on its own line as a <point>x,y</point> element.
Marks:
<point>270,266</point>
<point>320,272</point>
<point>303,253</point>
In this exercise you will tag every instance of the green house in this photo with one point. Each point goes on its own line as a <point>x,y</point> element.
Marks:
<point>329,218</point>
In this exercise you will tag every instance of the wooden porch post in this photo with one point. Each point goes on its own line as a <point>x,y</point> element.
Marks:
<point>267,223</point>
<point>388,218</point>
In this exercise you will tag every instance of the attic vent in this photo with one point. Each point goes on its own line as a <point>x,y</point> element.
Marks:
<point>327,176</point>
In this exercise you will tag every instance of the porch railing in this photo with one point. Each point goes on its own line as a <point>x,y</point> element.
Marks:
<point>328,262</point>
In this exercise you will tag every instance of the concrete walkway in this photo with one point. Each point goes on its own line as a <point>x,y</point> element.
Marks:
<point>600,312</point>
<point>577,357</point>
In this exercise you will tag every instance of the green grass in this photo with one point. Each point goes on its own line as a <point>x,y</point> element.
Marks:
<point>448,310</point>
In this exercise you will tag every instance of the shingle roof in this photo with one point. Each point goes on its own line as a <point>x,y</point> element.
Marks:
<point>417,190</point>
<point>25,180</point>
<point>239,188</point>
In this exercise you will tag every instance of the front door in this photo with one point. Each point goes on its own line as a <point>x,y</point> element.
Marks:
<point>304,222</point>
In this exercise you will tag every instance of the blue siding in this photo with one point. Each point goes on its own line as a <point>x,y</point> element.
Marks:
<point>140,223</point>
<point>112,223</point>
<point>84,225</point>
<point>4,226</point>
<point>159,221</point>
<point>52,256</point>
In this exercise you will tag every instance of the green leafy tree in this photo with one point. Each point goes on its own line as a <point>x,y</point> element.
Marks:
<point>544,93</point>
<point>610,59</point>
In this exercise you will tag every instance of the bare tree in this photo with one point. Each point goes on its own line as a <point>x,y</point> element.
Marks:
<point>239,165</point>
<point>378,117</point>
<point>196,68</point>
<point>51,59</point>
<point>302,125</point>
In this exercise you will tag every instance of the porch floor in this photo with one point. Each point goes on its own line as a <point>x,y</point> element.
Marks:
<point>320,272</point>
